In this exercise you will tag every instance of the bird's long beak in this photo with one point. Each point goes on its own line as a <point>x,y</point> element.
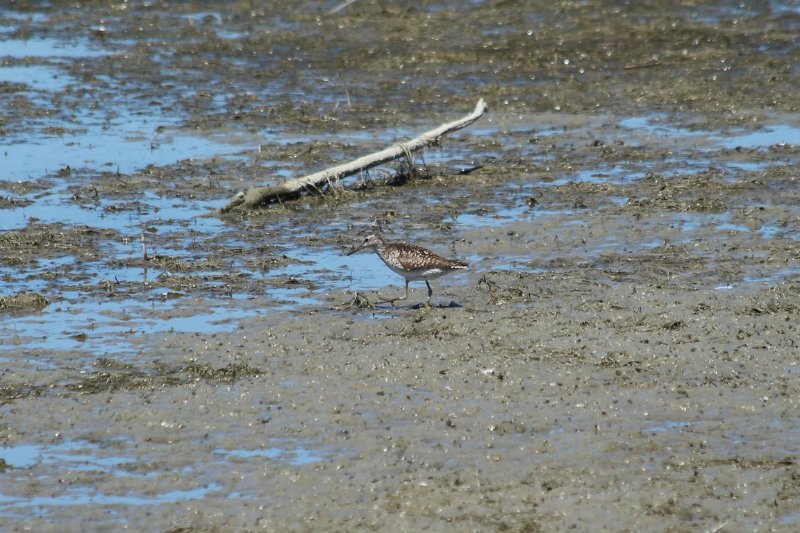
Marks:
<point>355,249</point>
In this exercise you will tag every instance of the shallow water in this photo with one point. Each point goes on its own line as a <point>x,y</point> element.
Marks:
<point>775,134</point>
<point>126,149</point>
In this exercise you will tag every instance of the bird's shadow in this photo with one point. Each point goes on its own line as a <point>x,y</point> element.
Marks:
<point>452,304</point>
<point>418,306</point>
<point>359,301</point>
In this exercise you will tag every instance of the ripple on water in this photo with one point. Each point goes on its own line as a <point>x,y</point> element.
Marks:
<point>43,47</point>
<point>51,460</point>
<point>296,456</point>
<point>75,495</point>
<point>104,328</point>
<point>766,135</point>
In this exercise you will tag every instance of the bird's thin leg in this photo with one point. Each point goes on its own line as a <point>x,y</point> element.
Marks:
<point>430,292</point>
<point>393,300</point>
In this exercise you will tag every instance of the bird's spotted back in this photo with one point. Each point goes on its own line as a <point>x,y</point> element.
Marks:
<point>409,257</point>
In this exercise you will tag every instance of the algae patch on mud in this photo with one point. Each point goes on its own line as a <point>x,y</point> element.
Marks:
<point>112,376</point>
<point>23,302</point>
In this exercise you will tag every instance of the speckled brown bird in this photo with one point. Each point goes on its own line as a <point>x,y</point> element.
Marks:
<point>410,261</point>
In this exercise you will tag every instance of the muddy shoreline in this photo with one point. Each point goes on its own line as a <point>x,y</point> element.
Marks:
<point>622,354</point>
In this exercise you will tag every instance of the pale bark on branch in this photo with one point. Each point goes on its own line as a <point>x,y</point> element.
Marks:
<point>259,196</point>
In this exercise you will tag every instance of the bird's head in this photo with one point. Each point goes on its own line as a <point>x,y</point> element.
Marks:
<point>371,242</point>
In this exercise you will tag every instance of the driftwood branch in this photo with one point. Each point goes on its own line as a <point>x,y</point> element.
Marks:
<point>258,196</point>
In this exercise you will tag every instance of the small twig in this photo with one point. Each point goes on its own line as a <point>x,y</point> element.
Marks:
<point>489,283</point>
<point>468,170</point>
<point>356,302</point>
<point>651,64</point>
<point>388,300</point>
<point>144,248</point>
<point>341,6</point>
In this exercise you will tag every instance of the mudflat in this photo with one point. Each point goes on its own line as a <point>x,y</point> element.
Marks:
<point>622,354</point>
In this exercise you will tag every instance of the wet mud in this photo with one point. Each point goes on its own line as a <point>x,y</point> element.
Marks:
<point>622,354</point>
